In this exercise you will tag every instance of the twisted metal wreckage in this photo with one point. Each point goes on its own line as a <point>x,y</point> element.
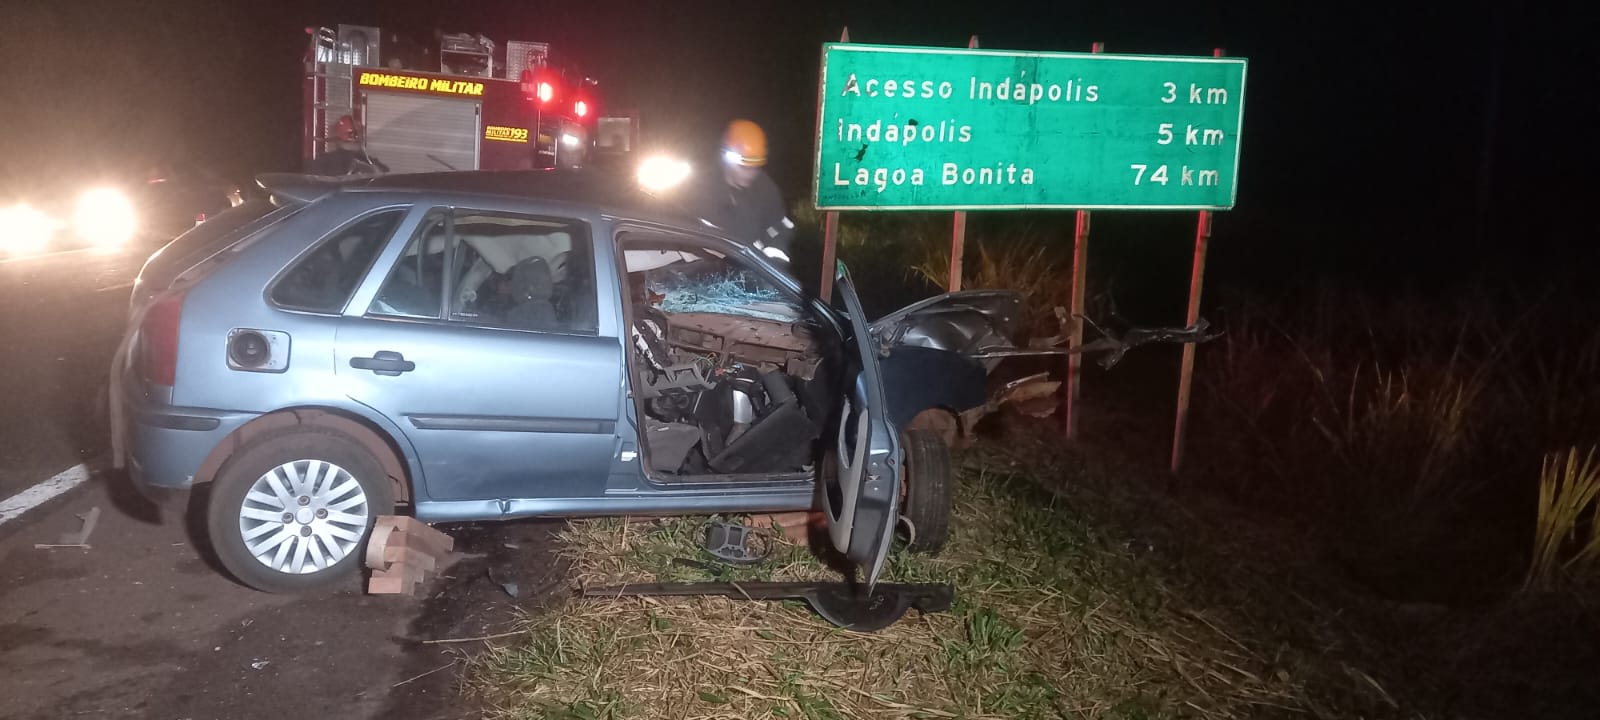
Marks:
<point>978,324</point>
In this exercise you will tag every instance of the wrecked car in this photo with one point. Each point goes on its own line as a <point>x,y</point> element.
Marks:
<point>479,346</point>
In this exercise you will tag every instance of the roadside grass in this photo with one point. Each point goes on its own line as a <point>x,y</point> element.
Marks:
<point>1076,598</point>
<point>1028,263</point>
<point>1566,544</point>
<point>894,256</point>
<point>1407,436</point>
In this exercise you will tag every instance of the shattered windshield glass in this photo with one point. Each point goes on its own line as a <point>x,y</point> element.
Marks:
<point>715,285</point>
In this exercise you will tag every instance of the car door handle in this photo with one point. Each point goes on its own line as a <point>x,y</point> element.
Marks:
<point>385,362</point>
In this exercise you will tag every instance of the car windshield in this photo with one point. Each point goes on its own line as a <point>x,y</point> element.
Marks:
<point>703,282</point>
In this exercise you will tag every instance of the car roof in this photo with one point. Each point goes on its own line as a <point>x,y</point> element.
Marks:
<point>611,193</point>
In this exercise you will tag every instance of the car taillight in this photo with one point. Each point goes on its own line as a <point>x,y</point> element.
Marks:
<point>159,341</point>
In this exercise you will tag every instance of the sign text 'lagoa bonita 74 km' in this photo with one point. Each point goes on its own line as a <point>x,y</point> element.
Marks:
<point>913,128</point>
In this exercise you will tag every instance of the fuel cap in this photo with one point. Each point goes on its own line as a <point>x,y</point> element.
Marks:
<point>249,349</point>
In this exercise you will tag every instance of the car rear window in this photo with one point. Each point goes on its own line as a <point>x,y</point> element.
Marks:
<point>323,279</point>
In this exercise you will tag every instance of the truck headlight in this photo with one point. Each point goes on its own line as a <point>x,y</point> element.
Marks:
<point>105,217</point>
<point>662,173</point>
<point>25,230</point>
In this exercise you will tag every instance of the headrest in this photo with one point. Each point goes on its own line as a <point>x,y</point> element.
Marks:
<point>531,280</point>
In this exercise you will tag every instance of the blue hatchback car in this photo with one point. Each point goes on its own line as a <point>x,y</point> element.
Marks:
<point>480,346</point>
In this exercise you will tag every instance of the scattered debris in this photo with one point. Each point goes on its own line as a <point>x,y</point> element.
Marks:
<point>510,587</point>
<point>90,519</point>
<point>401,554</point>
<point>1033,395</point>
<point>480,638</point>
<point>423,675</point>
<point>257,665</point>
<point>79,539</point>
<point>730,542</point>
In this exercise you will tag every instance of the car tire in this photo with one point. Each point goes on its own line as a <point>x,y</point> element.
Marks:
<point>928,492</point>
<point>317,491</point>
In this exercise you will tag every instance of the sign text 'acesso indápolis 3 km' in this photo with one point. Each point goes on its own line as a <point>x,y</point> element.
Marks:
<point>904,128</point>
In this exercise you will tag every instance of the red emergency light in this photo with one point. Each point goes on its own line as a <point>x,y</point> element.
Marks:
<point>540,85</point>
<point>580,108</point>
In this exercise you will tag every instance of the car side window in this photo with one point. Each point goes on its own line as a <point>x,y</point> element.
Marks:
<point>323,280</point>
<point>522,273</point>
<point>414,287</point>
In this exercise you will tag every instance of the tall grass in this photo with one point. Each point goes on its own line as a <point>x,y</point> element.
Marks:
<point>1027,264</point>
<point>1566,538</point>
<point>899,257</point>
<point>1400,432</point>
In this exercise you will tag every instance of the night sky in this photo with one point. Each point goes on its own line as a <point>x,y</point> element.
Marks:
<point>1375,133</point>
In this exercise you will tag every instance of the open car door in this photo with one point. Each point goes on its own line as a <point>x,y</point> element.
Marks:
<point>860,470</point>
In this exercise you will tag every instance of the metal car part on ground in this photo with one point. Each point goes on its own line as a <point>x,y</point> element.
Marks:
<point>846,605</point>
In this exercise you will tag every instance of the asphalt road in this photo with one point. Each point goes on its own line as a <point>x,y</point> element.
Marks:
<point>61,317</point>
<point>142,623</point>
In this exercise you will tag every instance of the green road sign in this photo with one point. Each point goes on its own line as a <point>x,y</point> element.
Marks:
<point>912,128</point>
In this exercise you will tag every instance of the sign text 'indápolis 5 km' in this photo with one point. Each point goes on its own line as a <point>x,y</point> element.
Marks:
<point>911,128</point>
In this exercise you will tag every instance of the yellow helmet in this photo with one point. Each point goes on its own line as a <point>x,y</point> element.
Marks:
<point>744,144</point>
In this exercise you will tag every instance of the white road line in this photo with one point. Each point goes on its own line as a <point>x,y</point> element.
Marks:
<point>13,507</point>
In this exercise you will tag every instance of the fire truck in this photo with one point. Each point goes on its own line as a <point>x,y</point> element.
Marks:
<point>455,101</point>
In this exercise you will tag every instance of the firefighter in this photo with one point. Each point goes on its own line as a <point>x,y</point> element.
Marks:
<point>747,203</point>
<point>348,157</point>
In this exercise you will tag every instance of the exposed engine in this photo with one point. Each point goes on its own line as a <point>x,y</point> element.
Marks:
<point>728,394</point>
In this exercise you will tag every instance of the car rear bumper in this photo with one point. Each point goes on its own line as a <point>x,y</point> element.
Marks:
<point>167,445</point>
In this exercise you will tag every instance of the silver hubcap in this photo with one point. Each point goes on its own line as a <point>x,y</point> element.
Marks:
<point>303,516</point>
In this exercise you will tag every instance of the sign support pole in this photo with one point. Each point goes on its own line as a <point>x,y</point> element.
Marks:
<point>830,221</point>
<point>958,243</point>
<point>1202,238</point>
<point>1080,262</point>
<point>958,246</point>
<point>830,243</point>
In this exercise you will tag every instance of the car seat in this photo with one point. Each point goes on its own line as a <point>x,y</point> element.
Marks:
<point>574,300</point>
<point>532,286</point>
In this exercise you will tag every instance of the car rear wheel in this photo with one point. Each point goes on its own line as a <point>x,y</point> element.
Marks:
<point>928,499</point>
<point>292,511</point>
